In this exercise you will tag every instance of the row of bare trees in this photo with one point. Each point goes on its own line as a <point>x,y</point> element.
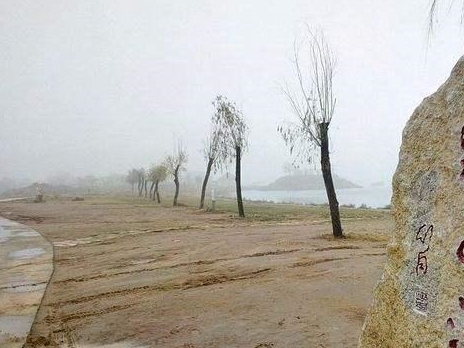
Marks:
<point>226,143</point>
<point>171,166</point>
<point>313,103</point>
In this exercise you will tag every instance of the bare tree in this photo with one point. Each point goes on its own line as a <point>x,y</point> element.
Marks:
<point>433,10</point>
<point>141,181</point>
<point>150,178</point>
<point>145,186</point>
<point>174,164</point>
<point>132,178</point>
<point>313,103</point>
<point>228,119</point>
<point>212,154</point>
<point>157,174</point>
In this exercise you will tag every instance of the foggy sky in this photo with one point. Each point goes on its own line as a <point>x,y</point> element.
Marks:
<point>102,86</point>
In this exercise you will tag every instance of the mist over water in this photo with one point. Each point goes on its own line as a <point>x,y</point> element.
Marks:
<point>374,197</point>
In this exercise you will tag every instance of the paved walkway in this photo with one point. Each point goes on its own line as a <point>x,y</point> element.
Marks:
<point>26,265</point>
<point>14,199</point>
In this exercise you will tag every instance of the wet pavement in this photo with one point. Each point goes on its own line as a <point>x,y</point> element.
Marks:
<point>26,265</point>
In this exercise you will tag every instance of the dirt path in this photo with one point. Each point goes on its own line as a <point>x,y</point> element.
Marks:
<point>168,278</point>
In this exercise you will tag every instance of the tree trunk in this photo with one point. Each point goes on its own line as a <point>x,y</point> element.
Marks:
<point>145,188</point>
<point>205,182</point>
<point>176,181</point>
<point>328,181</point>
<point>140,187</point>
<point>157,192</point>
<point>132,184</point>
<point>238,181</point>
<point>152,194</point>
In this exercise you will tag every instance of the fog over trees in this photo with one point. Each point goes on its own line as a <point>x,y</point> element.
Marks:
<point>157,175</point>
<point>116,93</point>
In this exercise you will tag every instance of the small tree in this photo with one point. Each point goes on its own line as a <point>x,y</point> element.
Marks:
<point>314,105</point>
<point>132,178</point>
<point>174,164</point>
<point>212,154</point>
<point>150,178</point>
<point>141,180</point>
<point>228,119</point>
<point>157,174</point>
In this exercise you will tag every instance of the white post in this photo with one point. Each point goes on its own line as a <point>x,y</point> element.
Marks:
<point>213,200</point>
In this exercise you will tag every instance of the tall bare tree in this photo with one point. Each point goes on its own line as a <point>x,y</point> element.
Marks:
<point>151,178</point>
<point>157,174</point>
<point>213,156</point>
<point>132,178</point>
<point>434,7</point>
<point>175,163</point>
<point>314,103</point>
<point>228,119</point>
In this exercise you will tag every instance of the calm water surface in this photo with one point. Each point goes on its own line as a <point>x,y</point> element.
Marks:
<point>375,197</point>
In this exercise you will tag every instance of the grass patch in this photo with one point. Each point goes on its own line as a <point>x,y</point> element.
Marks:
<point>255,211</point>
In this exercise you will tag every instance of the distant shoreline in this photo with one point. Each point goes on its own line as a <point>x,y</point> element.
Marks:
<point>265,188</point>
<point>376,197</point>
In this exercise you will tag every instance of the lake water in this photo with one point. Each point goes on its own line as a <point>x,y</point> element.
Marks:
<point>375,197</point>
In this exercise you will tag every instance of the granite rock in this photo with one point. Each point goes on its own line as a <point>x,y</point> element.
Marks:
<point>419,301</point>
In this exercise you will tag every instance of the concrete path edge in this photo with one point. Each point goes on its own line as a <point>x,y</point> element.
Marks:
<point>26,266</point>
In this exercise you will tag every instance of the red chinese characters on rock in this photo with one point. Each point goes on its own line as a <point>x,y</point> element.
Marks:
<point>462,138</point>
<point>460,252</point>
<point>461,176</point>
<point>450,324</point>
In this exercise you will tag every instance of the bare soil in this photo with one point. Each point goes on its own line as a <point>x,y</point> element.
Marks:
<point>140,275</point>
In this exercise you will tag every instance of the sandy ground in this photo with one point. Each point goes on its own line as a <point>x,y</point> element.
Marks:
<point>129,274</point>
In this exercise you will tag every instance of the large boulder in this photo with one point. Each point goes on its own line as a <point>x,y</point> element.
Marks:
<point>420,299</point>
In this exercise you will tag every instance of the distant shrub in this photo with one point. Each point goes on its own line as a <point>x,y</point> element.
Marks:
<point>348,206</point>
<point>364,206</point>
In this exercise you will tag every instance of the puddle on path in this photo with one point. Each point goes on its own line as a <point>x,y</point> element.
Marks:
<point>27,234</point>
<point>14,326</point>
<point>26,253</point>
<point>4,235</point>
<point>15,227</point>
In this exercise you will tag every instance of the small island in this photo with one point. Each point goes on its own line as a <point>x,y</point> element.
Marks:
<point>303,182</point>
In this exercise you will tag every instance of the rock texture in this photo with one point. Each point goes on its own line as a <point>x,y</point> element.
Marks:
<point>420,299</point>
